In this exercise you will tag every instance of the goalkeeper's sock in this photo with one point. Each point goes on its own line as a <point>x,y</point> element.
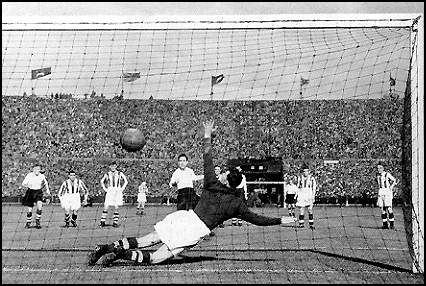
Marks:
<point>125,243</point>
<point>138,256</point>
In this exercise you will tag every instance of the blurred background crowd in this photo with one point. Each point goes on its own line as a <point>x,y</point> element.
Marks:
<point>84,134</point>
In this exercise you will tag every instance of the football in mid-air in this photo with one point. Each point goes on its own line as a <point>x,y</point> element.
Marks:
<point>132,140</point>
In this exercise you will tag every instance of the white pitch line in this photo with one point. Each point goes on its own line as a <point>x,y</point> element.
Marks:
<point>182,271</point>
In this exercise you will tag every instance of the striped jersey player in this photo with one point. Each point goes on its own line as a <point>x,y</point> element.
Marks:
<point>69,194</point>
<point>114,182</point>
<point>307,187</point>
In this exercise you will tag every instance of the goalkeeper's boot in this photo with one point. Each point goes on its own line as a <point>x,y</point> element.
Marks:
<point>27,225</point>
<point>99,251</point>
<point>74,224</point>
<point>102,224</point>
<point>38,225</point>
<point>385,225</point>
<point>113,256</point>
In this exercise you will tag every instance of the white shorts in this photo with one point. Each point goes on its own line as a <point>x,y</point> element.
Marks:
<point>385,198</point>
<point>181,229</point>
<point>70,201</point>
<point>114,197</point>
<point>384,201</point>
<point>305,199</point>
<point>141,198</point>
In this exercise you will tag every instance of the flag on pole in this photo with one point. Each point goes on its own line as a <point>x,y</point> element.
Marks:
<point>392,81</point>
<point>217,79</point>
<point>131,76</point>
<point>303,81</point>
<point>35,74</point>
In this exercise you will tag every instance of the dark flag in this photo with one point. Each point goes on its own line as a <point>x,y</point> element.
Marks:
<point>40,72</point>
<point>217,79</point>
<point>131,76</point>
<point>303,81</point>
<point>392,81</point>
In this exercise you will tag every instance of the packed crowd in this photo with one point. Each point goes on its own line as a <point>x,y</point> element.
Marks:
<point>82,134</point>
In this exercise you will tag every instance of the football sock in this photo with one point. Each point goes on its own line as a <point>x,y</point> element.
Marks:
<point>38,215</point>
<point>74,218</point>
<point>311,219</point>
<point>67,218</point>
<point>115,218</point>
<point>29,217</point>
<point>104,215</point>
<point>138,256</point>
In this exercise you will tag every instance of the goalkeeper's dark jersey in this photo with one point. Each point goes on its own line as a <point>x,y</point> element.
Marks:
<point>219,203</point>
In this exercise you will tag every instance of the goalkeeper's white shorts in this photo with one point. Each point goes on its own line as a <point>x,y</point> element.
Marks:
<point>70,201</point>
<point>181,229</point>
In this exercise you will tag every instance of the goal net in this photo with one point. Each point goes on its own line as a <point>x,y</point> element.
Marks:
<point>339,94</point>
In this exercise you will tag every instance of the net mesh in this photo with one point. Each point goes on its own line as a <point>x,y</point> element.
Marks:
<point>337,96</point>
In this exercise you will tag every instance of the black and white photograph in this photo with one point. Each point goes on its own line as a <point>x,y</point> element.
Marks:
<point>213,143</point>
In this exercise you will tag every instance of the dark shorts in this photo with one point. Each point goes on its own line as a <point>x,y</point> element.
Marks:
<point>186,199</point>
<point>31,197</point>
<point>289,199</point>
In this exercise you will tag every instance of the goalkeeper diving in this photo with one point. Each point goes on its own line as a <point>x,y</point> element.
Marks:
<point>184,229</point>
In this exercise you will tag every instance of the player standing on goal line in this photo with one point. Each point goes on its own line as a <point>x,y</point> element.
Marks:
<point>142,191</point>
<point>34,182</point>
<point>116,182</point>
<point>291,191</point>
<point>386,184</point>
<point>69,195</point>
<point>307,187</point>
<point>183,229</point>
<point>243,194</point>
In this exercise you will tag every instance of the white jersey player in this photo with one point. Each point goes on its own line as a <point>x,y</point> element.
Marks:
<point>386,183</point>
<point>142,191</point>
